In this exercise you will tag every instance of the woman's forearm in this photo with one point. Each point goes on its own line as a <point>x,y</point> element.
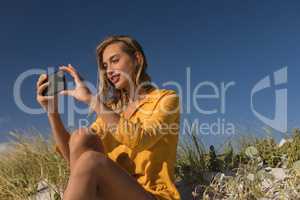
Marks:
<point>60,134</point>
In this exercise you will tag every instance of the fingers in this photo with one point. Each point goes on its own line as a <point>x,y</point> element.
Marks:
<point>41,98</point>
<point>70,66</point>
<point>66,92</point>
<point>41,79</point>
<point>68,70</point>
<point>42,87</point>
<point>71,70</point>
<point>74,70</point>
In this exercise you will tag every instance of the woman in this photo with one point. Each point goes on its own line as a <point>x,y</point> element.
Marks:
<point>129,152</point>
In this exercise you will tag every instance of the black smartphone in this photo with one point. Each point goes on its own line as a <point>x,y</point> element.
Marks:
<point>57,83</point>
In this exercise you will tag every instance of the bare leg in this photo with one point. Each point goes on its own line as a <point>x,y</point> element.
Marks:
<point>81,140</point>
<point>94,171</point>
<point>95,176</point>
<point>81,184</point>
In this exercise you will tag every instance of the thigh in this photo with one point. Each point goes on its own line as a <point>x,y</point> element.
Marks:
<point>114,183</point>
<point>82,141</point>
<point>82,138</point>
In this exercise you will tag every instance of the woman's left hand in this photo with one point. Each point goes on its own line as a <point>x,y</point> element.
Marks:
<point>81,92</point>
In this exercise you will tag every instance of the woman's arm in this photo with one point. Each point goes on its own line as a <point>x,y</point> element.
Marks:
<point>50,105</point>
<point>60,134</point>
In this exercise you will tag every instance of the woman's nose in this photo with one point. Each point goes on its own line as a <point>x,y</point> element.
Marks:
<point>109,72</point>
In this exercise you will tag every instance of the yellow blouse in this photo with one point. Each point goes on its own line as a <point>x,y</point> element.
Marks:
<point>145,143</point>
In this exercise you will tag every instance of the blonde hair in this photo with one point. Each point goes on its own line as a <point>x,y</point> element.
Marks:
<point>108,94</point>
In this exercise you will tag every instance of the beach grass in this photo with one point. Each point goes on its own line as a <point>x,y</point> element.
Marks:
<point>230,174</point>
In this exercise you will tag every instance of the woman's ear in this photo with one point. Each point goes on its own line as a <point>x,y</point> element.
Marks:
<point>138,58</point>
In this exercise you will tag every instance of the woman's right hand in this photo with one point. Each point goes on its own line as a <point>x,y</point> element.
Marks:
<point>48,103</point>
<point>81,92</point>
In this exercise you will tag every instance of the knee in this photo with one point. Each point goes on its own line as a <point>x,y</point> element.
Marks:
<point>77,137</point>
<point>91,161</point>
<point>82,139</point>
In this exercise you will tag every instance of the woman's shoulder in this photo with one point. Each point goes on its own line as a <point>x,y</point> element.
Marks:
<point>164,96</point>
<point>162,92</point>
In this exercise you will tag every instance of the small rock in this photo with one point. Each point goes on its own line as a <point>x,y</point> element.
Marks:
<point>279,173</point>
<point>45,191</point>
<point>268,169</point>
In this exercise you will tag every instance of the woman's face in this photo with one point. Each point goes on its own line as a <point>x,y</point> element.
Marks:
<point>119,66</point>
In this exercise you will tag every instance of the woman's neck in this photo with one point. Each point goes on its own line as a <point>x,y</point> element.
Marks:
<point>135,94</point>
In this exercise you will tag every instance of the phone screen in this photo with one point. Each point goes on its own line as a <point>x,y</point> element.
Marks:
<point>57,83</point>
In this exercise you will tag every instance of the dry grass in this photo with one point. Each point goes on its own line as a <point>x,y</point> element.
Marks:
<point>31,159</point>
<point>241,175</point>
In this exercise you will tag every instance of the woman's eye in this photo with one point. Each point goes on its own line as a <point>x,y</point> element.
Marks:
<point>115,61</point>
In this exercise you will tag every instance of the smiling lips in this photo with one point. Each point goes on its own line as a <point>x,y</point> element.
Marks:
<point>115,78</point>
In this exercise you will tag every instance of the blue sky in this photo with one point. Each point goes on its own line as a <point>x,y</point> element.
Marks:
<point>220,41</point>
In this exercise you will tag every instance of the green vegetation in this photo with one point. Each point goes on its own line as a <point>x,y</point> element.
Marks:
<point>243,174</point>
<point>210,174</point>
